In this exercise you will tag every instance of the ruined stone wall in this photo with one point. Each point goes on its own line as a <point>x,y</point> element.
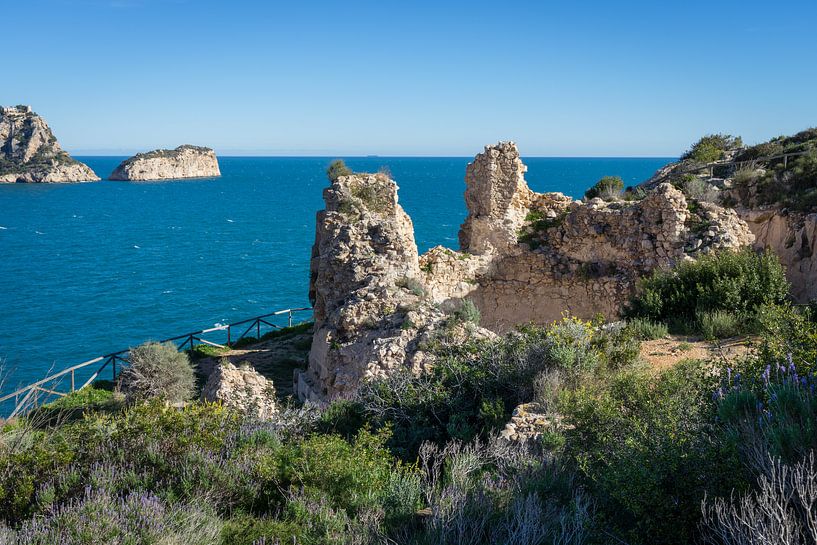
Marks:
<point>524,257</point>
<point>565,255</point>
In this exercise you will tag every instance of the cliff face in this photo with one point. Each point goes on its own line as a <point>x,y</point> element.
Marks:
<point>792,237</point>
<point>29,152</point>
<point>525,257</point>
<point>183,162</point>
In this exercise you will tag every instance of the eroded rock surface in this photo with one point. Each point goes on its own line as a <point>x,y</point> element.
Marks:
<point>524,257</point>
<point>792,237</point>
<point>242,388</point>
<point>183,162</point>
<point>30,153</point>
<point>372,310</point>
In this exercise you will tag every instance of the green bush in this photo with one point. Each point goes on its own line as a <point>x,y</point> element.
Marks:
<point>787,331</point>
<point>336,169</point>
<point>711,148</point>
<point>647,450</point>
<point>647,330</point>
<point>737,282</point>
<point>608,188</point>
<point>718,324</point>
<point>158,370</point>
<point>468,312</point>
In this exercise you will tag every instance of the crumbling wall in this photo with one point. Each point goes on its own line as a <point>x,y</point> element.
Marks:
<point>524,257</point>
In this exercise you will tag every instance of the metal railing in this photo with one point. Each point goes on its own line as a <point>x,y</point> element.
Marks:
<point>28,397</point>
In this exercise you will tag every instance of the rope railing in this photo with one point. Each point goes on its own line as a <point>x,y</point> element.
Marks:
<point>28,397</point>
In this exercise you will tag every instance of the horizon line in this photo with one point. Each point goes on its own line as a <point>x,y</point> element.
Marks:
<point>343,156</point>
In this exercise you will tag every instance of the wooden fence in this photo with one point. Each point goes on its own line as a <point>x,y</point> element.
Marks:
<point>30,396</point>
<point>737,165</point>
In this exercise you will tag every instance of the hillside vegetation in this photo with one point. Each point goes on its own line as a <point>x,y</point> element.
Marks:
<point>626,453</point>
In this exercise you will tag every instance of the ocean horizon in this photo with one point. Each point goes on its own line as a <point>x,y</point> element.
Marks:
<point>97,267</point>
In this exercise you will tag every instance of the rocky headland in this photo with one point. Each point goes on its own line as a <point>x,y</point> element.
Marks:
<point>30,153</point>
<point>183,162</point>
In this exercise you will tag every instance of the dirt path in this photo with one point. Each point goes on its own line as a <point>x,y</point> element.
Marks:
<point>276,358</point>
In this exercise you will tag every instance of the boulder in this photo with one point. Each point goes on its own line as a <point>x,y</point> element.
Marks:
<point>241,388</point>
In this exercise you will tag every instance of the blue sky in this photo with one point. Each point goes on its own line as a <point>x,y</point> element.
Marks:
<point>410,77</point>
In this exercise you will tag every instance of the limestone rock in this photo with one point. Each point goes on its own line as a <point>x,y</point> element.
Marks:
<point>183,162</point>
<point>497,197</point>
<point>372,311</point>
<point>241,388</point>
<point>528,422</point>
<point>793,238</point>
<point>29,152</point>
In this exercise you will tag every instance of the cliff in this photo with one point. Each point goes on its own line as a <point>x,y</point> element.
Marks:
<point>183,162</point>
<point>29,152</point>
<point>524,257</point>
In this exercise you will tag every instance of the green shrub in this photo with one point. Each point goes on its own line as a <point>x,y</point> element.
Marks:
<point>647,330</point>
<point>569,345</point>
<point>351,476</point>
<point>245,529</point>
<point>718,324</point>
<point>700,190</point>
<point>786,331</point>
<point>608,188</point>
<point>468,312</point>
<point>158,370</point>
<point>337,168</point>
<point>711,148</point>
<point>618,346</point>
<point>737,282</point>
<point>645,447</point>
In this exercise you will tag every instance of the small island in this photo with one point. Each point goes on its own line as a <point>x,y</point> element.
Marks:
<point>30,153</point>
<point>183,162</point>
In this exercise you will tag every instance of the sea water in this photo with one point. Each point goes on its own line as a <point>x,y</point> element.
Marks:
<point>88,269</point>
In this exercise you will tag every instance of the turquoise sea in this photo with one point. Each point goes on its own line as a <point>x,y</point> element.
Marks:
<point>87,269</point>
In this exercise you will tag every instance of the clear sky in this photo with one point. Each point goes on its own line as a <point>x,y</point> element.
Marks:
<point>410,77</point>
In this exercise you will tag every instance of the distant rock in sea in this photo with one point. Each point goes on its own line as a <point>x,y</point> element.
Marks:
<point>183,162</point>
<point>29,152</point>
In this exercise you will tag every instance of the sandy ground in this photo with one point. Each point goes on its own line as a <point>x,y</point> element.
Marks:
<point>663,353</point>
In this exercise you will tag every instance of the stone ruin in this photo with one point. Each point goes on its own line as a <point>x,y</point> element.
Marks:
<point>524,257</point>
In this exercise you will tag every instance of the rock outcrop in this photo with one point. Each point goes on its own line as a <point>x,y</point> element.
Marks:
<point>792,236</point>
<point>241,388</point>
<point>498,199</point>
<point>29,152</point>
<point>524,257</point>
<point>183,162</point>
<point>372,312</point>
